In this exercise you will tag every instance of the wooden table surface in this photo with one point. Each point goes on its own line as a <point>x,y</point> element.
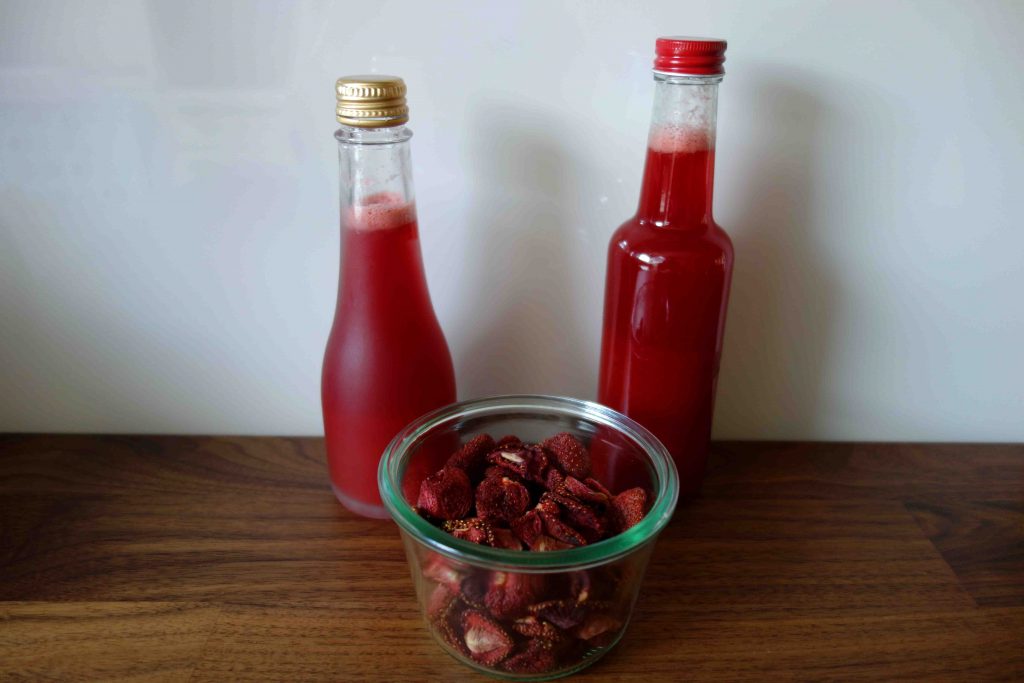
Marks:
<point>212,559</point>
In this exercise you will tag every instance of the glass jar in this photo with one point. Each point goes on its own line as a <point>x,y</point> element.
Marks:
<point>564,608</point>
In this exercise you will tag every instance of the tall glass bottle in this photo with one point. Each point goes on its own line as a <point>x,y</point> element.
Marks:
<point>386,361</point>
<point>669,267</point>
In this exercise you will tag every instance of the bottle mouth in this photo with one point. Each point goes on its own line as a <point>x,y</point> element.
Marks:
<point>690,56</point>
<point>664,482</point>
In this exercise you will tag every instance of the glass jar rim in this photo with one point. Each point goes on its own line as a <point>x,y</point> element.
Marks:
<point>666,486</point>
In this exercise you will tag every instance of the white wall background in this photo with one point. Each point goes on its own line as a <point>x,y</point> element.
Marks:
<point>168,227</point>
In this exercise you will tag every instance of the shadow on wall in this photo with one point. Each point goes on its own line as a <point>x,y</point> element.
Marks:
<point>785,303</point>
<point>526,318</point>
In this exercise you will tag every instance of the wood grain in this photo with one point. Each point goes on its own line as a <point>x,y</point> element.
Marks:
<point>221,558</point>
<point>128,641</point>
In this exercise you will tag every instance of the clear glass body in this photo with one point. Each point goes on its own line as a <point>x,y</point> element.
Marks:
<point>594,587</point>
<point>386,360</point>
<point>667,283</point>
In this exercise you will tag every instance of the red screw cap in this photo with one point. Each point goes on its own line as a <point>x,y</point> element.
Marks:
<point>689,55</point>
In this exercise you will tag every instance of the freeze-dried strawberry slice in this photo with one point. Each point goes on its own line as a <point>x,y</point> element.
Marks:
<point>440,602</point>
<point>495,471</point>
<point>441,570</point>
<point>532,627</point>
<point>565,614</point>
<point>579,585</point>
<point>513,459</point>
<point>597,625</point>
<point>539,464</point>
<point>446,494</point>
<point>570,455</point>
<point>486,641</point>
<point>450,633</point>
<point>474,530</point>
<point>471,458</point>
<point>561,531</point>
<point>509,441</point>
<point>554,480</point>
<point>548,505</point>
<point>581,517</point>
<point>544,543</point>
<point>598,486</point>
<point>628,508</point>
<point>503,538</point>
<point>501,498</point>
<point>508,594</point>
<point>584,491</point>
<point>535,657</point>
<point>474,588</point>
<point>528,462</point>
<point>528,528</point>
<point>549,512</point>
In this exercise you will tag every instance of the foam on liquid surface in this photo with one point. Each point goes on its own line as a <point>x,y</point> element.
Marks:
<point>381,211</point>
<point>677,139</point>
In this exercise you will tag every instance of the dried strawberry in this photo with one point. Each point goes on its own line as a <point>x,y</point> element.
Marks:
<point>581,517</point>
<point>565,614</point>
<point>503,538</point>
<point>559,530</point>
<point>598,486</point>
<point>535,657</point>
<point>508,594</point>
<point>554,480</point>
<point>554,526</point>
<point>570,455</point>
<point>441,570</point>
<point>579,585</point>
<point>471,458</point>
<point>509,441</point>
<point>440,602</point>
<point>486,641</point>
<point>451,634</point>
<point>513,459</point>
<point>528,462</point>
<point>544,543</point>
<point>528,528</point>
<point>474,530</point>
<point>548,505</point>
<point>532,627</point>
<point>494,471</point>
<point>584,491</point>
<point>598,629</point>
<point>474,589</point>
<point>628,508</point>
<point>446,494</point>
<point>539,464</point>
<point>501,499</point>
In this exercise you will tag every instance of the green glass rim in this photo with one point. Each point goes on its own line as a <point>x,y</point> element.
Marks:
<point>666,486</point>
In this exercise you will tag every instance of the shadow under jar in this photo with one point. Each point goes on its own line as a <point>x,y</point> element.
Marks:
<point>526,615</point>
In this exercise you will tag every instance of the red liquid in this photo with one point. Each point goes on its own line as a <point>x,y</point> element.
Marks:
<point>666,292</point>
<point>386,361</point>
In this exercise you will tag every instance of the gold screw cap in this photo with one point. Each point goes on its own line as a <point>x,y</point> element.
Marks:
<point>371,101</point>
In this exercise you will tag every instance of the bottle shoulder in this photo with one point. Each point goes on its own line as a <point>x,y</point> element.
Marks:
<point>645,241</point>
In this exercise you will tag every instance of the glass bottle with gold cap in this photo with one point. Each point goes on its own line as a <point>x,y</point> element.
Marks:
<point>386,361</point>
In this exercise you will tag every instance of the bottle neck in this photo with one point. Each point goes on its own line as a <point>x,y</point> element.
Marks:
<point>375,176</point>
<point>679,175</point>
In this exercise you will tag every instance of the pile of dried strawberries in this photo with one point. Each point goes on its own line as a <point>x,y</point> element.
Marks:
<point>519,496</point>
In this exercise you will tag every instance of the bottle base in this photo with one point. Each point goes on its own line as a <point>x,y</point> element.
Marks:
<point>359,507</point>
